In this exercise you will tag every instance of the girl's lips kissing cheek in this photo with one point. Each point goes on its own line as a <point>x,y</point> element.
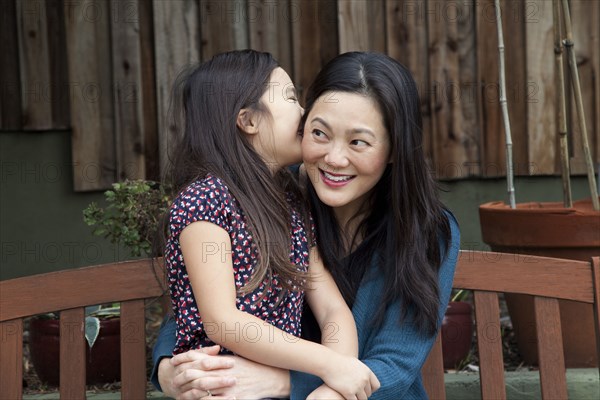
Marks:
<point>335,180</point>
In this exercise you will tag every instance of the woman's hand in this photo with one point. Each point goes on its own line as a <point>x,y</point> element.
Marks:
<point>192,374</point>
<point>350,377</point>
<point>324,392</point>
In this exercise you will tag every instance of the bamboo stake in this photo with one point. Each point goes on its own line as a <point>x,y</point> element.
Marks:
<point>568,43</point>
<point>562,109</point>
<point>504,105</point>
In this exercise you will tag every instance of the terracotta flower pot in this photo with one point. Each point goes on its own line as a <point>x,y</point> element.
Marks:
<point>457,333</point>
<point>103,360</point>
<point>547,229</point>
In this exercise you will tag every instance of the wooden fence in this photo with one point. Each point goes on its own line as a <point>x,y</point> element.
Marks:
<point>104,69</point>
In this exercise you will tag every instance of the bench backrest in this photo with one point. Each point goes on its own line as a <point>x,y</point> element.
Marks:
<point>130,283</point>
<point>548,280</point>
<point>69,292</point>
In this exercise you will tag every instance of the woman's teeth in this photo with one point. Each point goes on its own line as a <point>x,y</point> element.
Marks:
<point>337,178</point>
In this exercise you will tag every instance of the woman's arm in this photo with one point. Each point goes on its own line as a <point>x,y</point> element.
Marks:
<point>396,353</point>
<point>212,279</point>
<point>186,375</point>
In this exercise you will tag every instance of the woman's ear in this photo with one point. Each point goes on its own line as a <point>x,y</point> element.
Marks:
<point>247,121</point>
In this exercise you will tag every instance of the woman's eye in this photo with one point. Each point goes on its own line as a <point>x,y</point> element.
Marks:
<point>318,133</point>
<point>358,142</point>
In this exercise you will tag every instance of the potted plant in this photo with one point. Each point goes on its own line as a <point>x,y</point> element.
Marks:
<point>131,218</point>
<point>457,330</point>
<point>567,230</point>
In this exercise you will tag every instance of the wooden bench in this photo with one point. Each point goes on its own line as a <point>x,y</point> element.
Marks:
<point>130,283</point>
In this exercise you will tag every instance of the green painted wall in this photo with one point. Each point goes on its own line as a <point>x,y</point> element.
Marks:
<point>41,226</point>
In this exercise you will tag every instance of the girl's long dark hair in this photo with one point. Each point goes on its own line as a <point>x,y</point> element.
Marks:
<point>406,222</point>
<point>206,101</point>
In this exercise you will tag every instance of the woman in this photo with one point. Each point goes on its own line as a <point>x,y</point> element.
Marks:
<point>381,230</point>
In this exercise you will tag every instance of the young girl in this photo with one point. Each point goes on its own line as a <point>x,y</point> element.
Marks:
<point>238,248</point>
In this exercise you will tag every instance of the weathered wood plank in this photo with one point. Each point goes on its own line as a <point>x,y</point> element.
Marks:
<point>541,110</point>
<point>128,92</point>
<point>454,149</point>
<point>177,44</point>
<point>92,117</point>
<point>361,25</point>
<point>493,154</point>
<point>315,39</point>
<point>149,109</point>
<point>59,83</point>
<point>34,60</point>
<point>550,348</point>
<point>489,343</point>
<point>72,354</point>
<point>270,29</point>
<point>10,76</point>
<point>224,26</point>
<point>407,42</point>
<point>587,50</point>
<point>11,358</point>
<point>133,350</point>
<point>519,91</point>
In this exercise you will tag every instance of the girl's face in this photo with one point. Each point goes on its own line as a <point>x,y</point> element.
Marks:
<point>279,140</point>
<point>346,149</point>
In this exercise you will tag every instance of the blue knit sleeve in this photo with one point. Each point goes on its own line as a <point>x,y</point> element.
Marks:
<point>396,353</point>
<point>165,343</point>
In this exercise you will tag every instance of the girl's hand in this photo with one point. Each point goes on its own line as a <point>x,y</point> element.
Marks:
<point>324,392</point>
<point>350,377</point>
<point>189,375</point>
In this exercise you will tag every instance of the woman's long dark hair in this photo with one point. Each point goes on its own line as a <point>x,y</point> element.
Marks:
<point>406,222</point>
<point>206,101</point>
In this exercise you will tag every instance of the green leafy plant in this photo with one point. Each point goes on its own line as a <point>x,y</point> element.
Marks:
<point>131,216</point>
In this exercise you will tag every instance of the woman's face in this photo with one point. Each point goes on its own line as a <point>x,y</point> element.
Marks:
<point>346,149</point>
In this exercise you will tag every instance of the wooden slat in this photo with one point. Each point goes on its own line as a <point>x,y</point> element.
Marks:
<point>92,118</point>
<point>72,354</point>
<point>133,350</point>
<point>315,40</point>
<point>270,29</point>
<point>176,46</point>
<point>489,344</point>
<point>550,348</point>
<point>10,81</point>
<point>560,278</point>
<point>490,118</point>
<point>596,305</point>
<point>128,92</point>
<point>454,149</point>
<point>224,26</point>
<point>11,359</point>
<point>59,93</point>
<point>34,63</point>
<point>433,372</point>
<point>540,70</point>
<point>361,25</point>
<point>587,50</point>
<point>81,287</point>
<point>407,42</point>
<point>148,87</point>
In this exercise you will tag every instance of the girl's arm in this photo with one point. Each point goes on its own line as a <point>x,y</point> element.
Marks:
<point>212,279</point>
<point>338,330</point>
